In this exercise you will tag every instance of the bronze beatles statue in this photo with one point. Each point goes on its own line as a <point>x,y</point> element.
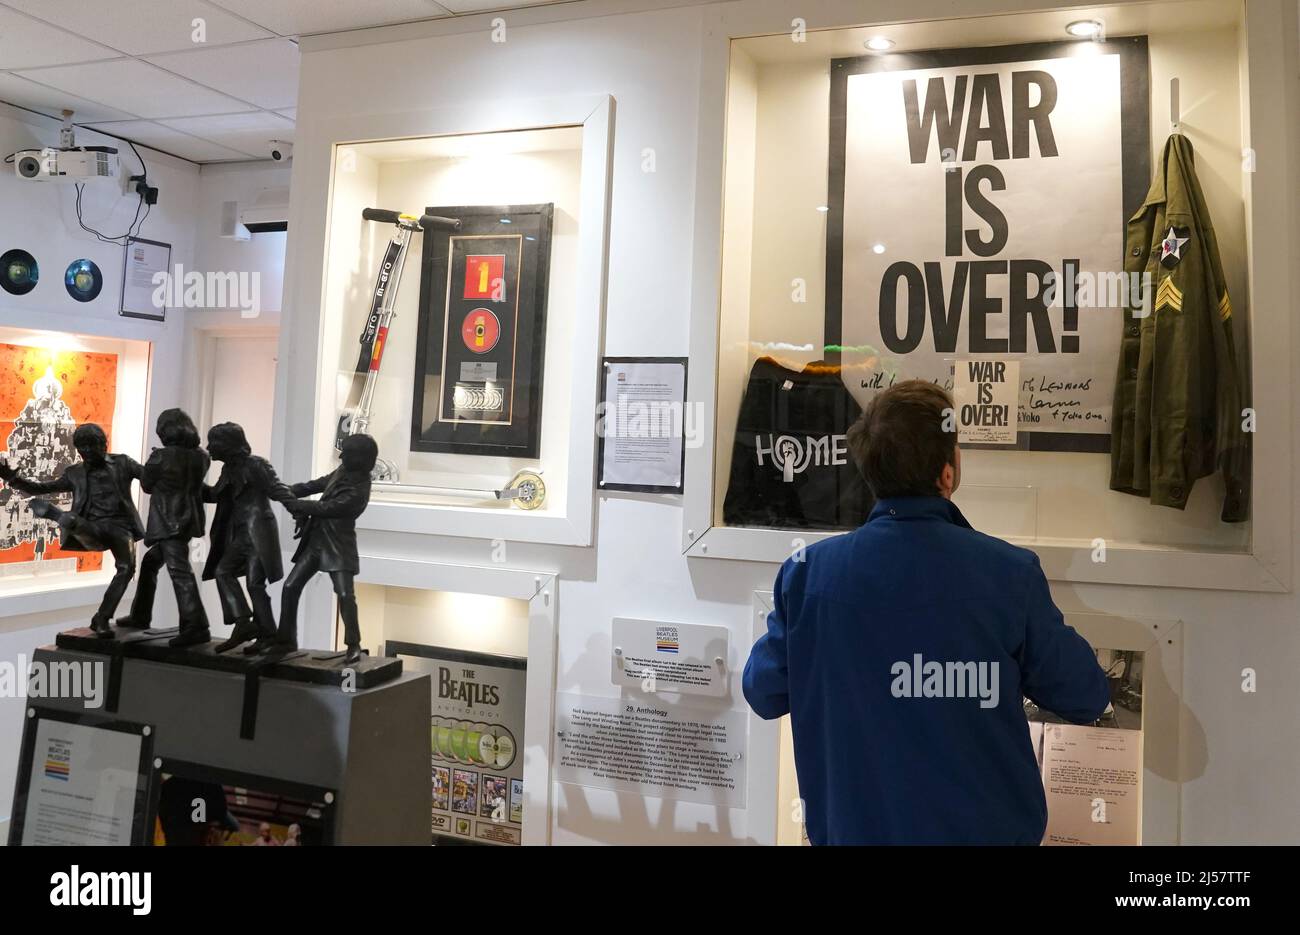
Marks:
<point>244,538</point>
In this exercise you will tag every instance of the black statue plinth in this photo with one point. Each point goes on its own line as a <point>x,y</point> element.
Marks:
<point>369,748</point>
<point>315,666</point>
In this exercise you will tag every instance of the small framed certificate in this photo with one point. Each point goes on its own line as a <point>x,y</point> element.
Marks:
<point>142,263</point>
<point>83,779</point>
<point>642,424</point>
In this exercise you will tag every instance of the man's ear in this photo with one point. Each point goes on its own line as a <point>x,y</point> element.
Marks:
<point>947,478</point>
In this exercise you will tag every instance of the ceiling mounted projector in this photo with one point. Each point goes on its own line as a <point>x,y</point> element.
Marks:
<point>75,164</point>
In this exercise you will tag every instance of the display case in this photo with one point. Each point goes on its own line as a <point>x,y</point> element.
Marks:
<point>51,383</point>
<point>950,200</point>
<point>460,314</point>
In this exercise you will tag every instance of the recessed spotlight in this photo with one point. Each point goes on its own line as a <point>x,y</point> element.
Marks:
<point>505,221</point>
<point>1084,29</point>
<point>879,44</point>
<point>822,209</point>
<point>878,248</point>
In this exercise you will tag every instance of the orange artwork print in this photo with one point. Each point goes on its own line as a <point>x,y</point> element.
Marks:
<point>44,395</point>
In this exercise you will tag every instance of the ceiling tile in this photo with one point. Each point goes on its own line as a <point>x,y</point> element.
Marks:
<point>49,101</point>
<point>25,42</point>
<point>263,73</point>
<point>147,133</point>
<point>137,87</point>
<point>305,17</point>
<point>248,133</point>
<point>140,27</point>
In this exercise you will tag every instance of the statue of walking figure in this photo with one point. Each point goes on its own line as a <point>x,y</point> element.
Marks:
<point>103,516</point>
<point>328,541</point>
<point>244,540</point>
<point>173,478</point>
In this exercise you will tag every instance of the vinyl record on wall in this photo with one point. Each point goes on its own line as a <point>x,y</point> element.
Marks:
<point>83,280</point>
<point>18,272</point>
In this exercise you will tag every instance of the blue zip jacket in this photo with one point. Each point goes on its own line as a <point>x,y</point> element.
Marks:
<point>901,652</point>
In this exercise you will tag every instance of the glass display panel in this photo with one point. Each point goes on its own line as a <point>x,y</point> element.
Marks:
<point>962,208</point>
<point>449,293</point>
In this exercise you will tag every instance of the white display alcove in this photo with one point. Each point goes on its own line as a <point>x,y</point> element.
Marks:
<point>774,792</point>
<point>522,152</point>
<point>91,373</point>
<point>762,196</point>
<point>463,608</point>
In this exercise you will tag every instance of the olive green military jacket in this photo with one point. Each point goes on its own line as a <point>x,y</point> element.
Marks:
<point>1178,412</point>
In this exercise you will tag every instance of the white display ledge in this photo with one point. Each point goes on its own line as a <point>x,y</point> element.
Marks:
<point>1062,560</point>
<point>494,522</point>
<point>35,598</point>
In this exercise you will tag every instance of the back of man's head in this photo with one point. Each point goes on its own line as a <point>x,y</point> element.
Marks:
<point>904,439</point>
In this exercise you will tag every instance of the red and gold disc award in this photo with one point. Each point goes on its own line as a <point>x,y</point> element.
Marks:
<point>481,330</point>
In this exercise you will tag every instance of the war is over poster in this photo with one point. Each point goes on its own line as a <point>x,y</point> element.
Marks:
<point>44,395</point>
<point>978,199</point>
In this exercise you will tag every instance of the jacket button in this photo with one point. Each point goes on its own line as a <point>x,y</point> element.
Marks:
<point>893,512</point>
<point>1133,330</point>
<point>1176,493</point>
<point>1137,251</point>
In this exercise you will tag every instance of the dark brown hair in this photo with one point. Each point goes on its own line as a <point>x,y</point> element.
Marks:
<point>176,428</point>
<point>900,442</point>
<point>89,435</point>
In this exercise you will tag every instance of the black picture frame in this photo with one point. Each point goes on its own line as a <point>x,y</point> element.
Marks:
<point>601,484</point>
<point>126,252</point>
<point>520,235</point>
<point>325,799</point>
<point>141,821</point>
<point>1135,147</point>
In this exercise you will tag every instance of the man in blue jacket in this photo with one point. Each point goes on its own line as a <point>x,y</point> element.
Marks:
<point>901,652</point>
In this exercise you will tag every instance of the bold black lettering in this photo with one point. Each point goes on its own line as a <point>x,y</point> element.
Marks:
<point>945,120</point>
<point>952,215</point>
<point>1023,113</point>
<point>990,213</point>
<point>983,305</point>
<point>911,338</point>
<point>986,97</point>
<point>1022,307</point>
<point>945,317</point>
<point>1070,308</point>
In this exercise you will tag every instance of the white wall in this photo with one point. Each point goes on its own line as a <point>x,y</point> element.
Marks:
<point>40,217</point>
<point>1243,749</point>
<point>1049,495</point>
